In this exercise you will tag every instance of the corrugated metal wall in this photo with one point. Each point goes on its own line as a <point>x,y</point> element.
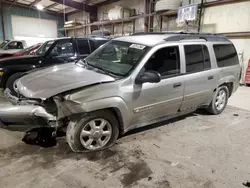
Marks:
<point>8,11</point>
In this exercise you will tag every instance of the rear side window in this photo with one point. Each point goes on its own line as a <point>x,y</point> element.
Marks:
<point>92,45</point>
<point>197,58</point>
<point>101,42</point>
<point>226,55</point>
<point>83,46</point>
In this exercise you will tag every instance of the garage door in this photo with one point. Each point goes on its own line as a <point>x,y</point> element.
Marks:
<point>26,27</point>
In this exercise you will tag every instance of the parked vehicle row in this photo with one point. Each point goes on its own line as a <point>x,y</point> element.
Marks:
<point>51,53</point>
<point>127,83</point>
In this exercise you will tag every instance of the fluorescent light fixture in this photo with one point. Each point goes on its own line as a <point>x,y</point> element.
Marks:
<point>39,7</point>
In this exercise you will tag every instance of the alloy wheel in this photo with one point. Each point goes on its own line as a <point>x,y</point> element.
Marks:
<point>96,134</point>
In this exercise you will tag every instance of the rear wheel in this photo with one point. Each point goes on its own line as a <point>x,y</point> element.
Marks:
<point>219,101</point>
<point>10,84</point>
<point>92,132</point>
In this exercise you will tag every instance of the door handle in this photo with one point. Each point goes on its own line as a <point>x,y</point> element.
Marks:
<point>210,77</point>
<point>177,85</point>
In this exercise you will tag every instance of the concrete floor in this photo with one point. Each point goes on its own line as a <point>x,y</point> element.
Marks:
<point>198,150</point>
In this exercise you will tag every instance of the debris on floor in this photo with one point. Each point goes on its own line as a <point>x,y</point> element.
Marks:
<point>40,136</point>
<point>247,184</point>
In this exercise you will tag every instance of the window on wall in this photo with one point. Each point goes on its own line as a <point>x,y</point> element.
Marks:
<point>83,46</point>
<point>197,58</point>
<point>226,55</point>
<point>165,61</point>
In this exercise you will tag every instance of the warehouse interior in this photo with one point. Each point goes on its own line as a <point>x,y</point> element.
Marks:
<point>196,150</point>
<point>230,18</point>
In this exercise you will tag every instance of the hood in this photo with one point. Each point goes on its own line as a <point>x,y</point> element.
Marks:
<point>51,81</point>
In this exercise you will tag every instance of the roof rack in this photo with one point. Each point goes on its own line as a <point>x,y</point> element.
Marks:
<point>206,36</point>
<point>155,33</point>
<point>172,32</point>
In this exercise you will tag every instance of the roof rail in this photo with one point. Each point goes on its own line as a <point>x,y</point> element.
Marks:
<point>207,37</point>
<point>155,33</point>
<point>172,32</point>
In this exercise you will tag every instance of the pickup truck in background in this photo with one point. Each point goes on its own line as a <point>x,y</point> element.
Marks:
<point>12,47</point>
<point>54,52</point>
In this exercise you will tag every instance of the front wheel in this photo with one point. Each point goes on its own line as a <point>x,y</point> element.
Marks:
<point>10,84</point>
<point>219,101</point>
<point>92,132</point>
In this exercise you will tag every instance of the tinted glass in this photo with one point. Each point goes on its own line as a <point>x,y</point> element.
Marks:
<point>197,58</point>
<point>44,48</point>
<point>63,48</point>
<point>226,55</point>
<point>83,46</point>
<point>102,41</point>
<point>165,61</point>
<point>117,57</point>
<point>92,45</point>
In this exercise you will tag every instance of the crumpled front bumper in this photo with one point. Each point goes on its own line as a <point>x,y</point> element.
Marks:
<point>24,117</point>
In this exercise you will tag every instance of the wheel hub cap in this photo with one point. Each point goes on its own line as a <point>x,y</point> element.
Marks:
<point>220,101</point>
<point>96,134</point>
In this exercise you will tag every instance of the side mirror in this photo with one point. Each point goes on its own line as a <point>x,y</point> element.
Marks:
<point>148,76</point>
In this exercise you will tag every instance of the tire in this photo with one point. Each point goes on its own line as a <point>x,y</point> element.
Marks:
<point>218,109</point>
<point>10,82</point>
<point>78,140</point>
<point>167,5</point>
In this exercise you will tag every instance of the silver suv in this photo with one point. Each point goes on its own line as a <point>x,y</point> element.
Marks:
<point>130,82</point>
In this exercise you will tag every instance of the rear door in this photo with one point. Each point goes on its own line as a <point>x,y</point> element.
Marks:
<point>200,78</point>
<point>83,46</point>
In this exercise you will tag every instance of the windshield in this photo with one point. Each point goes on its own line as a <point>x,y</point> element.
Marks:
<point>117,57</point>
<point>3,44</point>
<point>43,49</point>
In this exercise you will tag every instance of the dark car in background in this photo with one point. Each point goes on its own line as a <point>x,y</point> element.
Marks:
<point>54,52</point>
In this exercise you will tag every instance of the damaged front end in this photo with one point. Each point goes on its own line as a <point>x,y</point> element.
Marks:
<point>27,114</point>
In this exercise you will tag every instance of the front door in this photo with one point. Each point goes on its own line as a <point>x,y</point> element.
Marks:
<point>200,79</point>
<point>151,101</point>
<point>63,51</point>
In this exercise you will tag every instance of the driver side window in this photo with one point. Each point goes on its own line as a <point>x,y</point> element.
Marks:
<point>165,61</point>
<point>63,49</point>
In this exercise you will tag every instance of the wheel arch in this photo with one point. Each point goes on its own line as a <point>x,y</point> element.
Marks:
<point>115,105</point>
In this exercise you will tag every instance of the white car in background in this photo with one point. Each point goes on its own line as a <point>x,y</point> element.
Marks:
<point>12,47</point>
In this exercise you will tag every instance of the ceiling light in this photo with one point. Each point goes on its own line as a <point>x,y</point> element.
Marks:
<point>39,7</point>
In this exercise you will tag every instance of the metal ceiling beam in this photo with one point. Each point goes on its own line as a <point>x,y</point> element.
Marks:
<point>76,5</point>
<point>66,9</point>
<point>51,6</point>
<point>27,6</point>
<point>34,3</point>
<point>106,2</point>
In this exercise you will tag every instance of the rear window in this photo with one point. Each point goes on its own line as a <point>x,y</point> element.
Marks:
<point>226,55</point>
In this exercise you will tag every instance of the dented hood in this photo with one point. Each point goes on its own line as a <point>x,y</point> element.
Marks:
<point>51,81</point>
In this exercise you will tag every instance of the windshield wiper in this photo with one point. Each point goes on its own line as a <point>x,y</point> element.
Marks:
<point>102,70</point>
